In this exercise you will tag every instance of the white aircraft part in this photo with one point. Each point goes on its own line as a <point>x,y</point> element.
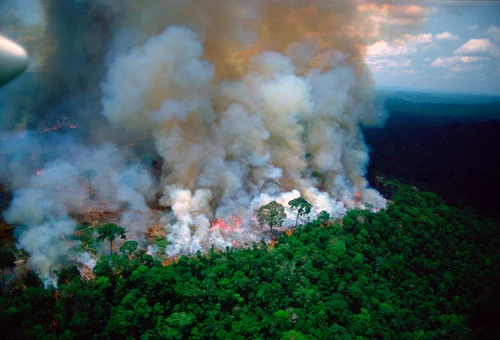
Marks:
<point>13,60</point>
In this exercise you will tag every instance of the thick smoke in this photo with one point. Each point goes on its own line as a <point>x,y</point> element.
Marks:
<point>52,189</point>
<point>242,102</point>
<point>274,91</point>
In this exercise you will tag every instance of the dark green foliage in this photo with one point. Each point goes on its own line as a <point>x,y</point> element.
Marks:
<point>418,270</point>
<point>67,275</point>
<point>110,231</point>
<point>302,207</point>
<point>324,217</point>
<point>84,234</point>
<point>32,280</point>
<point>272,214</point>
<point>7,259</point>
<point>129,247</point>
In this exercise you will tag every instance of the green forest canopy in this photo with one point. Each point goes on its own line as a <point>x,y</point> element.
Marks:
<point>418,270</point>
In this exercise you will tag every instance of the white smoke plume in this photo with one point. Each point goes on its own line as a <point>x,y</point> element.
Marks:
<point>52,189</point>
<point>233,104</point>
<point>241,102</point>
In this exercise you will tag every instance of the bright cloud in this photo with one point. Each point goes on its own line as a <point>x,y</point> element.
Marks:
<point>406,44</point>
<point>446,36</point>
<point>384,49</point>
<point>460,63</point>
<point>474,46</point>
<point>478,46</point>
<point>403,47</point>
<point>384,55</point>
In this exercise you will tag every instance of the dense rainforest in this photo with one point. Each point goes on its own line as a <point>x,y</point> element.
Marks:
<point>447,147</point>
<point>419,270</point>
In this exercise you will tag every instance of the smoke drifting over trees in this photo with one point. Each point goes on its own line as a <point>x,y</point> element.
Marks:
<point>231,95</point>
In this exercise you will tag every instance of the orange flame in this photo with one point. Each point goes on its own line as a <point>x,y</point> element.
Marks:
<point>59,125</point>
<point>229,224</point>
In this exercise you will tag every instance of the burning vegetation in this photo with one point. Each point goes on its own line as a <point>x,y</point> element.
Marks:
<point>179,128</point>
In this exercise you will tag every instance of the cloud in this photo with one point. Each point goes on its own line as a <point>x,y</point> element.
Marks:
<point>384,55</point>
<point>379,65</point>
<point>384,49</point>
<point>450,61</point>
<point>460,63</point>
<point>425,38</point>
<point>387,19</point>
<point>478,46</point>
<point>395,15</point>
<point>406,44</point>
<point>472,27</point>
<point>494,32</point>
<point>446,36</point>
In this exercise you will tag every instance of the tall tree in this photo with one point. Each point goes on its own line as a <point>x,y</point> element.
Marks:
<point>302,207</point>
<point>89,174</point>
<point>272,214</point>
<point>110,231</point>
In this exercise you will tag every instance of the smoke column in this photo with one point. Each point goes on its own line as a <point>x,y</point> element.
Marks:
<point>244,102</point>
<point>242,93</point>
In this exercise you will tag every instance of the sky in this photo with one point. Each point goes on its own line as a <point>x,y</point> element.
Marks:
<point>456,48</point>
<point>437,46</point>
